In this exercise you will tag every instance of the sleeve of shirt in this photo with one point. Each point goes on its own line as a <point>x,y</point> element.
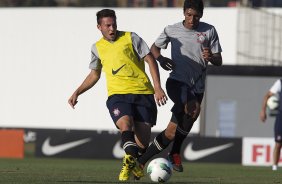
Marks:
<point>139,45</point>
<point>214,42</point>
<point>163,40</point>
<point>95,63</point>
<point>276,87</point>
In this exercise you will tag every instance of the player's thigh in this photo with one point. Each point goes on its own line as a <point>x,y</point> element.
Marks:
<point>146,110</point>
<point>180,94</point>
<point>278,128</point>
<point>144,118</point>
<point>121,112</point>
<point>175,92</point>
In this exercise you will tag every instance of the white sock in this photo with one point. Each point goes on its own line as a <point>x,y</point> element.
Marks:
<point>274,167</point>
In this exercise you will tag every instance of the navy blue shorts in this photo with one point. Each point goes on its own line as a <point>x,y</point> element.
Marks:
<point>180,93</point>
<point>278,128</point>
<point>139,106</point>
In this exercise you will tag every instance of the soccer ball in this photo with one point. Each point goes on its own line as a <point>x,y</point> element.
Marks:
<point>159,170</point>
<point>273,102</point>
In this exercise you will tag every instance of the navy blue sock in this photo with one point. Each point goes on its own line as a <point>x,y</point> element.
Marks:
<point>183,129</point>
<point>128,143</point>
<point>160,142</point>
<point>177,143</point>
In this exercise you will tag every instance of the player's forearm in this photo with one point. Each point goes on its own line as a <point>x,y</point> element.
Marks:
<point>216,60</point>
<point>156,79</point>
<point>154,71</point>
<point>89,82</point>
<point>263,107</point>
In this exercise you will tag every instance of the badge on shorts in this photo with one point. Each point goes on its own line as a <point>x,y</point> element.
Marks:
<point>116,112</point>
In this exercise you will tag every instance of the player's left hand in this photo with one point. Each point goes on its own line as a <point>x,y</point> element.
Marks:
<point>207,54</point>
<point>160,96</point>
<point>166,63</point>
<point>262,116</point>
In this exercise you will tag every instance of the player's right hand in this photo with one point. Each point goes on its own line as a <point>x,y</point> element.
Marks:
<point>166,63</point>
<point>73,100</point>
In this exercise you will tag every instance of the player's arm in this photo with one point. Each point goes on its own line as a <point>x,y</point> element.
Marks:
<point>216,59</point>
<point>165,62</point>
<point>143,51</point>
<point>213,58</point>
<point>88,83</point>
<point>160,95</point>
<point>263,115</point>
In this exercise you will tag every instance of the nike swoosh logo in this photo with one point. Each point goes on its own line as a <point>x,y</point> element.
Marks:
<point>116,71</point>
<point>118,152</point>
<point>50,150</point>
<point>191,154</point>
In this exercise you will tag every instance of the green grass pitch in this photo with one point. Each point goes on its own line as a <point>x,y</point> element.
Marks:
<point>72,171</point>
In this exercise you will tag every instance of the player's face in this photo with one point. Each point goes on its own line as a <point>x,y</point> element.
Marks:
<point>192,18</point>
<point>108,28</point>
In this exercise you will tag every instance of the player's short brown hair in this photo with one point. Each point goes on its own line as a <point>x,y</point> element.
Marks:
<point>105,13</point>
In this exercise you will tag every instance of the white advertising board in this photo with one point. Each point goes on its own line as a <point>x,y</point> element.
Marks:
<point>258,151</point>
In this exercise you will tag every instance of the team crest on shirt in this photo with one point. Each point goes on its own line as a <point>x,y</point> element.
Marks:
<point>279,138</point>
<point>202,37</point>
<point>116,112</point>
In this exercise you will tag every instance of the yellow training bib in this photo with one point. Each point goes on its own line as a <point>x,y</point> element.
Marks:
<point>125,72</point>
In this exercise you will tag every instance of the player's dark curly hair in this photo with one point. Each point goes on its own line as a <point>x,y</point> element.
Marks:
<point>105,13</point>
<point>197,5</point>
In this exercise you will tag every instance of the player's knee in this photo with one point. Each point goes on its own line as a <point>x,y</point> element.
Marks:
<point>192,109</point>
<point>124,123</point>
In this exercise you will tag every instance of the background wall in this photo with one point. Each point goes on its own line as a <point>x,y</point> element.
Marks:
<point>45,52</point>
<point>234,106</point>
<point>233,101</point>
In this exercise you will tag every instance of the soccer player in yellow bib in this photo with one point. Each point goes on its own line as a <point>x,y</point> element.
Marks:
<point>131,97</point>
